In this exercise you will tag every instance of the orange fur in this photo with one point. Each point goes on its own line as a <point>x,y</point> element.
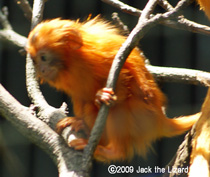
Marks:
<point>83,53</point>
<point>205,6</point>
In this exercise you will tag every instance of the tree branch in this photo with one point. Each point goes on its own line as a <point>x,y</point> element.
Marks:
<point>3,19</point>
<point>182,156</point>
<point>120,24</point>
<point>182,23</point>
<point>200,155</point>
<point>165,4</point>
<point>123,7</point>
<point>180,75</point>
<point>7,33</point>
<point>40,134</point>
<point>13,38</point>
<point>25,7</point>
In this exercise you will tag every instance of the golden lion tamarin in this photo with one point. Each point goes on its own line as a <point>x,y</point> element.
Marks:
<point>76,57</point>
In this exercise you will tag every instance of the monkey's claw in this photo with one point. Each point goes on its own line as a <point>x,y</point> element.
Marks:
<point>105,95</point>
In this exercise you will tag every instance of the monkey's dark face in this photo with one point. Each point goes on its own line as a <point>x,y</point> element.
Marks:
<point>47,65</point>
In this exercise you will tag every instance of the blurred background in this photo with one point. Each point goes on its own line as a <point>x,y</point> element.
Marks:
<point>163,46</point>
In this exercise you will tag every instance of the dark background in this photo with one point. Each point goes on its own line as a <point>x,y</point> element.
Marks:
<point>162,45</point>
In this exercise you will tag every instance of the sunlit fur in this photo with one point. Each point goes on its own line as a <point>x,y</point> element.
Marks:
<point>205,5</point>
<point>86,51</point>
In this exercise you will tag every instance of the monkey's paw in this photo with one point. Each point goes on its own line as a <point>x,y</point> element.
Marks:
<point>105,95</point>
<point>75,123</point>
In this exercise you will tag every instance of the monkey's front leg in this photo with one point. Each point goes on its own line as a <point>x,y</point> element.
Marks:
<point>102,153</point>
<point>105,95</point>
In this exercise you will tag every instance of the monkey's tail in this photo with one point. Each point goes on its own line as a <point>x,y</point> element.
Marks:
<point>177,126</point>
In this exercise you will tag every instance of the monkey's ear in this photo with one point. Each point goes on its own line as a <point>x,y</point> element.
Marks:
<point>73,38</point>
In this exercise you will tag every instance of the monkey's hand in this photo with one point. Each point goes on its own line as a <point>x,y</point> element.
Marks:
<point>78,144</point>
<point>105,95</point>
<point>76,124</point>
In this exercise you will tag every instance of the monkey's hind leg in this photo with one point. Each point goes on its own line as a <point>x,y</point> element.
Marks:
<point>104,154</point>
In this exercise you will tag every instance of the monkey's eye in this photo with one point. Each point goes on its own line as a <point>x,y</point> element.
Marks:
<point>43,58</point>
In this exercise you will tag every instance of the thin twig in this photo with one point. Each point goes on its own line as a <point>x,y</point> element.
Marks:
<point>13,37</point>
<point>124,7</point>
<point>37,13</point>
<point>165,4</point>
<point>175,11</point>
<point>183,23</point>
<point>120,24</point>
<point>26,8</point>
<point>180,75</point>
<point>148,10</point>
<point>7,32</point>
<point>191,26</point>
<point>3,19</point>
